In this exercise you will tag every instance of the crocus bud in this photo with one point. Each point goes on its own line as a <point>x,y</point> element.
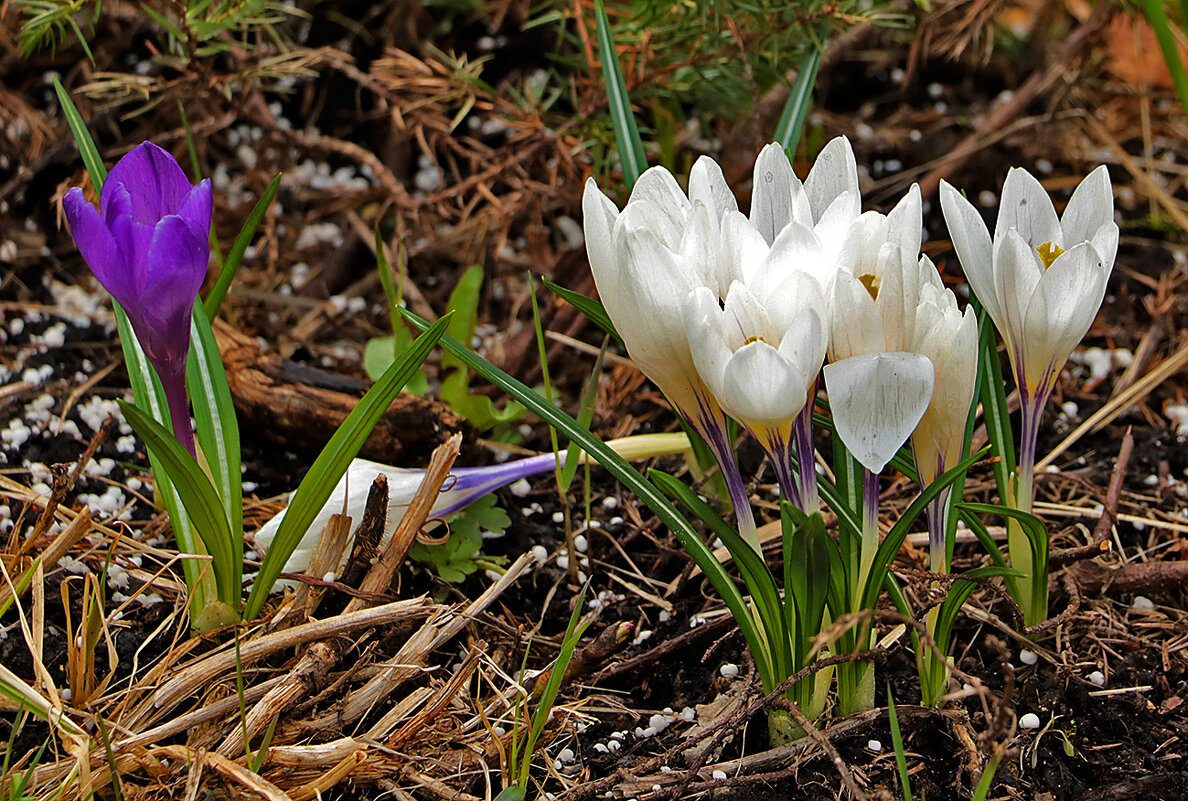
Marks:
<point>148,243</point>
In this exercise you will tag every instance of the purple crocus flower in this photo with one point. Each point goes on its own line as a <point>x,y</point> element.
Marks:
<point>149,244</point>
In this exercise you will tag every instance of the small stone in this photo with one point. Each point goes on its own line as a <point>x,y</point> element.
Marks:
<point>540,554</point>
<point>728,671</point>
<point>874,745</point>
<point>719,775</point>
<point>1028,657</point>
<point>1029,721</point>
<point>1141,603</point>
<point>1098,678</point>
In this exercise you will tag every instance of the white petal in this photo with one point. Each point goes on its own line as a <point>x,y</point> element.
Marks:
<point>657,187</point>
<point>598,217</point>
<point>747,314</point>
<point>653,287</point>
<point>699,248</point>
<point>971,240</point>
<point>708,342</point>
<point>905,222</point>
<point>831,229</point>
<point>834,173</point>
<point>876,401</point>
<point>707,184</point>
<point>777,197</point>
<point>797,295</point>
<point>1105,242</point>
<point>1017,271</point>
<point>857,324</point>
<point>862,242</point>
<point>762,389</point>
<point>1090,207</point>
<point>797,249</point>
<point>1026,207</point>
<point>742,250</point>
<point>1062,309</point>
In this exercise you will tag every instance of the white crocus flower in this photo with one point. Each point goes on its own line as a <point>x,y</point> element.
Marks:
<point>760,359</point>
<point>950,341</point>
<point>877,288</point>
<point>1042,278</point>
<point>464,486</point>
<point>646,260</point>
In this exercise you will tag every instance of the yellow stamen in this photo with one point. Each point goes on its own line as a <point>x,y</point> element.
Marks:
<point>871,282</point>
<point>1048,253</point>
<point>749,340</point>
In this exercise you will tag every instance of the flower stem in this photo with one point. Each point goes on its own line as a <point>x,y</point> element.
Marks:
<point>1032,587</point>
<point>802,433</point>
<point>179,410</point>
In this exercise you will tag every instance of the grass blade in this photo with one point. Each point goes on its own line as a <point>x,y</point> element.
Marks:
<point>217,426</point>
<point>897,744</point>
<point>214,299</point>
<point>82,136</point>
<point>198,495</point>
<point>631,150</point>
<point>759,581</point>
<point>800,100</point>
<point>593,309</point>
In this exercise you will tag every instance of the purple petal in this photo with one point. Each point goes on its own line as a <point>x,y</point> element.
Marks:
<point>97,245</point>
<point>133,240</point>
<point>177,261</point>
<point>195,210</point>
<point>116,202</point>
<point>154,180</point>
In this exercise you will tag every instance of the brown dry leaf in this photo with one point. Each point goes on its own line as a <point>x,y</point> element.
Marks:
<point>1134,56</point>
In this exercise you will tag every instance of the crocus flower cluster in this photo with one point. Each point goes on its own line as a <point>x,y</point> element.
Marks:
<point>763,298</point>
<point>148,243</point>
<point>735,315</point>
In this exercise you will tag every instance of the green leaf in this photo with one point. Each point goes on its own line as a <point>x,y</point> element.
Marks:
<point>806,576</point>
<point>453,559</point>
<point>1033,528</point>
<point>631,150</point>
<point>897,744</point>
<point>894,539</point>
<point>756,576</point>
<point>217,427</point>
<point>994,405</point>
<point>620,469</point>
<point>593,309</point>
<point>455,388</point>
<point>214,298</point>
<point>1161,25</point>
<point>199,497</point>
<point>585,415</point>
<point>333,461</point>
<point>800,100</point>
<point>958,594</point>
<point>82,136</point>
<point>573,634</point>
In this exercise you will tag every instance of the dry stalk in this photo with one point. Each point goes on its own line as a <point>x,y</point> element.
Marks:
<point>313,667</point>
<point>439,629</point>
<point>208,669</point>
<point>59,547</point>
